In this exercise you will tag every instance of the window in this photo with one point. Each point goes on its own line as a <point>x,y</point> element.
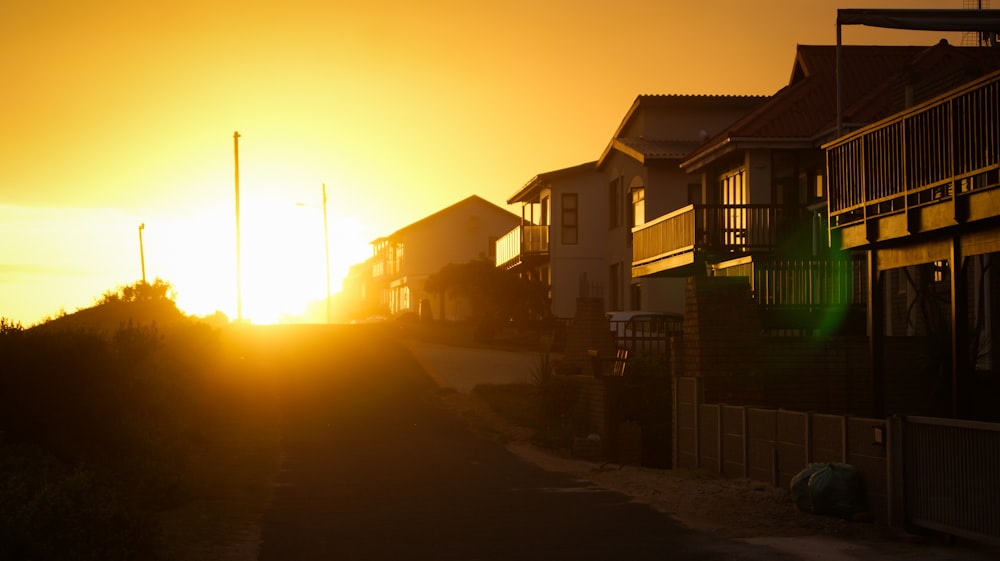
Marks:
<point>570,219</point>
<point>638,214</point>
<point>614,205</point>
<point>635,296</point>
<point>734,197</point>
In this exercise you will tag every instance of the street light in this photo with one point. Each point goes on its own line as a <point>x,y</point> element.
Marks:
<point>239,267</point>
<point>326,249</point>
<point>142,253</point>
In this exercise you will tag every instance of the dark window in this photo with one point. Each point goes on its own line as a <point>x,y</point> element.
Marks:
<point>570,219</point>
<point>614,203</point>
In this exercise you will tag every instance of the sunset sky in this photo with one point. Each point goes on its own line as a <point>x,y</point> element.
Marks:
<point>116,113</point>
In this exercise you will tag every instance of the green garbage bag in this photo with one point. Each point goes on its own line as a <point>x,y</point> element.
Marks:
<point>833,489</point>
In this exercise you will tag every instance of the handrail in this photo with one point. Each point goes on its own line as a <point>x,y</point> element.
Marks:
<point>938,150</point>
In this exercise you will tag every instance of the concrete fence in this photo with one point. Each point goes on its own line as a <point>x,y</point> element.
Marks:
<point>773,445</point>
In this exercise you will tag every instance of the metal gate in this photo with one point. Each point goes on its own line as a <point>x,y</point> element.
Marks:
<point>946,476</point>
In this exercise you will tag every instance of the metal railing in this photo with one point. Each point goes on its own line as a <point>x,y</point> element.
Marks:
<point>522,241</point>
<point>945,147</point>
<point>722,229</point>
<point>946,473</point>
<point>804,282</point>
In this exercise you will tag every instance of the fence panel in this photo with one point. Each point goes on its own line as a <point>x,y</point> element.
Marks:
<point>950,476</point>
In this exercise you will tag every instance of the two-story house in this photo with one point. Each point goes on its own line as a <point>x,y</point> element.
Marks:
<point>642,178</point>
<point>758,209</point>
<point>402,261</point>
<point>556,242</point>
<point>576,225</point>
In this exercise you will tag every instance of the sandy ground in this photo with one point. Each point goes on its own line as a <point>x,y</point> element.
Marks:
<point>737,509</point>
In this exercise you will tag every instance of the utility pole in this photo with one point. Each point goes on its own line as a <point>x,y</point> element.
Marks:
<point>142,253</point>
<point>326,241</point>
<point>239,268</point>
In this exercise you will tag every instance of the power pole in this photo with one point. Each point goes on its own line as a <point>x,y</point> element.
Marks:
<point>142,253</point>
<point>326,240</point>
<point>239,268</point>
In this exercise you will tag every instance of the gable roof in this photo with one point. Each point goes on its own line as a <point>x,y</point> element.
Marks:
<point>468,201</point>
<point>803,113</point>
<point>648,149</point>
<point>531,188</point>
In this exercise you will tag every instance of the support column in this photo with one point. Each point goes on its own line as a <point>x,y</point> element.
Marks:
<point>959,322</point>
<point>876,335</point>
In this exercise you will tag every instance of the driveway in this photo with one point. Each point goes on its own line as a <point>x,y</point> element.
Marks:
<point>462,368</point>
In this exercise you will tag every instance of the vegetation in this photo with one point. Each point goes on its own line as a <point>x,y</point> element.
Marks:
<point>106,423</point>
<point>495,297</point>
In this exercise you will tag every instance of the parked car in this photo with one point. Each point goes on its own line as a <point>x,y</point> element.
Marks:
<point>644,332</point>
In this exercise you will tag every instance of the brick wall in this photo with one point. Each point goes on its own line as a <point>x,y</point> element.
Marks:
<point>721,327</point>
<point>590,331</point>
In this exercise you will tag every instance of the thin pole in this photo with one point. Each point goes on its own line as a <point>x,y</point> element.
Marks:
<point>326,241</point>
<point>142,253</point>
<point>239,268</point>
<point>840,87</point>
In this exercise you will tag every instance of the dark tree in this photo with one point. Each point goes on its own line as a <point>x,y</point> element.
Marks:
<point>495,294</point>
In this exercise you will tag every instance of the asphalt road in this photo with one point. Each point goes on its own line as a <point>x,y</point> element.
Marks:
<point>376,468</point>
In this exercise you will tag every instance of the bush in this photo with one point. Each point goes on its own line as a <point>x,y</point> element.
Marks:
<point>54,513</point>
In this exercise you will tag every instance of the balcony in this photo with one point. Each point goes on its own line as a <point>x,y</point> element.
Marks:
<point>523,246</point>
<point>695,235</point>
<point>824,295</point>
<point>932,167</point>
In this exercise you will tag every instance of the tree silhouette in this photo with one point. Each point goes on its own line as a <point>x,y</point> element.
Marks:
<point>496,295</point>
<point>157,291</point>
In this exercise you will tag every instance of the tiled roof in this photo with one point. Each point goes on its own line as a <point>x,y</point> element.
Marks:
<point>527,192</point>
<point>675,101</point>
<point>643,149</point>
<point>806,109</point>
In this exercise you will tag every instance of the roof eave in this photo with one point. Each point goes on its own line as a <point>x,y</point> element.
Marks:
<point>732,144</point>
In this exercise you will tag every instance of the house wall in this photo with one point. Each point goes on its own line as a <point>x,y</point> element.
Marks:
<point>758,165</point>
<point>683,121</point>
<point>569,263</point>
<point>458,234</point>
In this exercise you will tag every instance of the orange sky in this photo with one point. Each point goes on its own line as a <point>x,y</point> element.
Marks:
<point>117,113</point>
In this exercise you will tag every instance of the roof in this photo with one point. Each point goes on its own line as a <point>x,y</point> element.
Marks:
<point>804,112</point>
<point>528,191</point>
<point>642,102</point>
<point>643,150</point>
<point>471,200</point>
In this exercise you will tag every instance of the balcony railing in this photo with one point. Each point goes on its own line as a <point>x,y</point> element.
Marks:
<point>804,293</point>
<point>945,148</point>
<point>522,243</point>
<point>722,230</point>
<point>803,282</point>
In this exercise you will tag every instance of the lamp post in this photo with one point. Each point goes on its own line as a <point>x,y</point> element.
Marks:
<point>326,249</point>
<point>142,253</point>
<point>239,268</point>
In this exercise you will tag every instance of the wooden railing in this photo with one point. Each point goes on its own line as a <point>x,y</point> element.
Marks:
<point>720,229</point>
<point>520,242</point>
<point>945,147</point>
